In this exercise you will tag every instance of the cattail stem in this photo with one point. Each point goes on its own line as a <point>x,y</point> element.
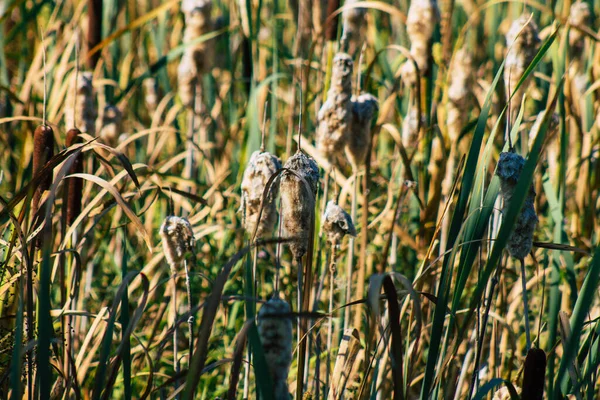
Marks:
<point>350,259</point>
<point>332,270</point>
<point>174,307</point>
<point>188,286</point>
<point>525,306</point>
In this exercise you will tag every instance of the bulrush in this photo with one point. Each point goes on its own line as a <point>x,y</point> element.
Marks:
<point>410,127</point>
<point>80,109</point>
<point>177,240</point>
<point>74,185</point>
<point>364,108</point>
<point>275,330</point>
<point>110,126</point>
<point>522,42</point>
<point>420,24</point>
<point>579,16</point>
<point>459,93</point>
<point>197,58</point>
<point>43,150</point>
<point>534,375</point>
<point>297,204</point>
<point>334,117</point>
<point>353,20</point>
<point>337,223</point>
<point>260,168</point>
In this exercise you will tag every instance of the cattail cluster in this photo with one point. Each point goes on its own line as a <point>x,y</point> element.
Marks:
<point>261,167</point>
<point>459,92</point>
<point>177,240</point>
<point>335,115</point>
<point>43,150</point>
<point>298,201</point>
<point>534,375</point>
<point>509,170</point>
<point>110,125</point>
<point>74,185</point>
<point>80,108</point>
<point>353,20</point>
<point>579,16</point>
<point>522,42</point>
<point>197,57</point>
<point>504,394</point>
<point>364,108</point>
<point>275,331</point>
<point>422,17</point>
<point>337,223</point>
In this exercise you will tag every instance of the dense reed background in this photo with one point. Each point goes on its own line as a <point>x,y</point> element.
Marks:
<point>392,272</point>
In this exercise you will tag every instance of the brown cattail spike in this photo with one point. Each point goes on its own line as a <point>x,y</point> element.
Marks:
<point>74,185</point>
<point>177,240</point>
<point>275,331</point>
<point>94,35</point>
<point>43,150</point>
<point>364,108</point>
<point>534,375</point>
<point>297,204</point>
<point>260,169</point>
<point>337,223</point>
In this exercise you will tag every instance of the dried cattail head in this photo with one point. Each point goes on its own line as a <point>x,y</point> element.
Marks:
<point>80,109</point>
<point>410,127</point>
<point>337,223</point>
<point>43,150</point>
<point>74,185</point>
<point>177,239</point>
<point>504,394</point>
<point>110,126</point>
<point>260,169</point>
<point>275,331</point>
<point>341,73</point>
<point>509,170</point>
<point>353,20</point>
<point>420,24</point>
<point>364,108</point>
<point>551,130</point>
<point>151,94</point>
<point>522,42</point>
<point>534,375</point>
<point>459,93</point>
<point>196,12</point>
<point>579,16</point>
<point>297,203</point>
<point>186,79</point>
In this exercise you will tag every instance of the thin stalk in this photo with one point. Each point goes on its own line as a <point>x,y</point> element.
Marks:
<point>190,321</point>
<point>525,307</point>
<point>350,258</point>
<point>174,306</point>
<point>332,271</point>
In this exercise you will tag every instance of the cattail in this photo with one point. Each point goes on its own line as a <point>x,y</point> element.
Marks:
<point>151,94</point>
<point>261,167</point>
<point>420,24</point>
<point>410,127</point>
<point>80,109</point>
<point>522,42</point>
<point>334,117</point>
<point>509,170</point>
<point>364,108</point>
<point>297,204</point>
<point>110,127</point>
<point>43,150</point>
<point>579,16</point>
<point>459,93</point>
<point>353,20</point>
<point>332,28</point>
<point>534,375</point>
<point>504,394</point>
<point>275,330</point>
<point>337,223</point>
<point>551,130</point>
<point>197,58</point>
<point>177,239</point>
<point>94,34</point>
<point>74,185</point>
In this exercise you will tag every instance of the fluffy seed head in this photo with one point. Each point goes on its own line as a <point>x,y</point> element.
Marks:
<point>520,240</point>
<point>337,223</point>
<point>410,127</point>
<point>80,110</point>
<point>260,168</point>
<point>364,108</point>
<point>275,331</point>
<point>420,24</point>
<point>297,204</point>
<point>504,394</point>
<point>43,150</point>
<point>579,16</point>
<point>354,19</point>
<point>177,239</point>
<point>110,127</point>
<point>74,185</point>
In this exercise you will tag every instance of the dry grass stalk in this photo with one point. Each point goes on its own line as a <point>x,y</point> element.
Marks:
<point>522,42</point>
<point>297,205</point>
<point>337,223</point>
<point>344,363</point>
<point>334,117</point>
<point>459,93</point>
<point>80,108</point>
<point>579,16</point>
<point>74,185</point>
<point>364,108</point>
<point>260,168</point>
<point>43,150</point>
<point>275,330</point>
<point>110,126</point>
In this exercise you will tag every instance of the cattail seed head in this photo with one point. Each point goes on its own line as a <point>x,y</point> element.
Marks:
<point>520,240</point>
<point>504,394</point>
<point>364,108</point>
<point>297,204</point>
<point>110,126</point>
<point>74,185</point>
<point>410,127</point>
<point>459,92</point>
<point>579,16</point>
<point>177,239</point>
<point>80,108</point>
<point>522,42</point>
<point>334,117</point>
<point>43,150</point>
<point>275,331</point>
<point>534,375</point>
<point>151,94</point>
<point>353,20</point>
<point>337,223</point>
<point>260,168</point>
